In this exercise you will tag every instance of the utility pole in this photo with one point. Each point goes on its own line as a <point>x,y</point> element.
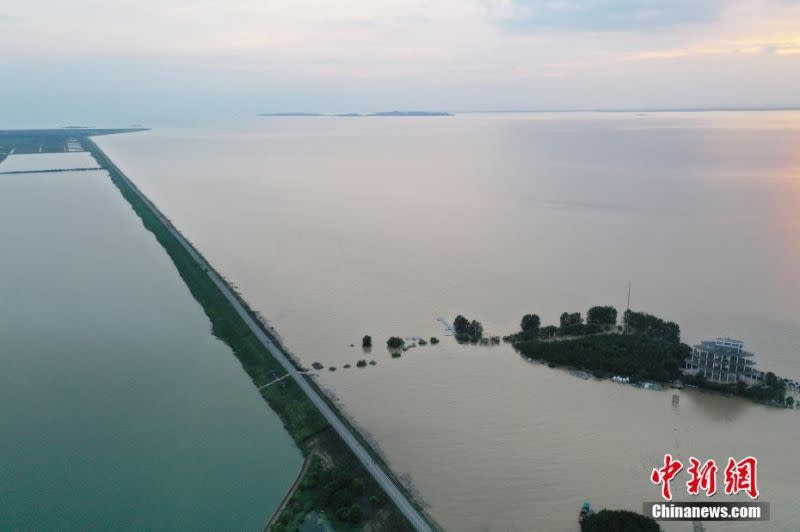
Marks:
<point>628,309</point>
<point>629,295</point>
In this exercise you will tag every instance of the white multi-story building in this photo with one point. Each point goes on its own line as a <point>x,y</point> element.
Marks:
<point>723,360</point>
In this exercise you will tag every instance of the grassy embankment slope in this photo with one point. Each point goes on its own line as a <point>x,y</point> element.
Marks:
<point>318,442</point>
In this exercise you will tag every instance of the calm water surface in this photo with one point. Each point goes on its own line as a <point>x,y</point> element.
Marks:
<point>120,410</point>
<point>26,162</point>
<point>336,228</point>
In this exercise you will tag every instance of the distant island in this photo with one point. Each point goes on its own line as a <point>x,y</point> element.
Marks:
<point>411,113</point>
<point>290,114</point>
<point>382,113</point>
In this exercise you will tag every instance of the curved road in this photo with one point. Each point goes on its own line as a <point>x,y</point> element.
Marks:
<point>395,494</point>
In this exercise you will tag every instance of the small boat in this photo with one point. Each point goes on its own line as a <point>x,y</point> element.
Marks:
<point>586,511</point>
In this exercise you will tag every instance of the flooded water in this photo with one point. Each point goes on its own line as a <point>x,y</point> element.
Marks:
<point>335,228</point>
<point>120,410</point>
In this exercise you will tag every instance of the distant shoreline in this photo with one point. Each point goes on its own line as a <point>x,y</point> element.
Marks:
<point>359,115</point>
<point>642,110</point>
<point>634,110</point>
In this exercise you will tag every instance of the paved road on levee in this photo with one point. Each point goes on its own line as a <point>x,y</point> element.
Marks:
<point>344,431</point>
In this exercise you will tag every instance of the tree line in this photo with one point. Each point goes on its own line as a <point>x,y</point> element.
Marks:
<point>598,319</point>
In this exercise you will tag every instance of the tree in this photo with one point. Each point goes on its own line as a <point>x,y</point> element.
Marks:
<point>549,331</point>
<point>568,319</point>
<point>642,323</point>
<point>467,331</point>
<point>361,363</point>
<point>355,513</point>
<point>789,401</point>
<point>771,380</point>
<point>461,324</point>
<point>394,342</point>
<point>476,329</point>
<point>349,514</point>
<point>358,485</point>
<point>618,521</point>
<point>571,324</point>
<point>366,341</point>
<point>601,316</point>
<point>530,325</point>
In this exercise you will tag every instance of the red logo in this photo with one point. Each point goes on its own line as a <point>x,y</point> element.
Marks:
<point>739,476</point>
<point>703,477</point>
<point>665,474</point>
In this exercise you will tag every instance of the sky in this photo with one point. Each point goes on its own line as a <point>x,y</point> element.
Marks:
<point>117,62</point>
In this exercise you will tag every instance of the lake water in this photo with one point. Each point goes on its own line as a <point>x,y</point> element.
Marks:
<point>335,228</point>
<point>47,161</point>
<point>120,410</point>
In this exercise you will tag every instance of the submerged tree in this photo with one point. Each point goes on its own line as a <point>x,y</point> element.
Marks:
<point>530,325</point>
<point>460,324</point>
<point>466,330</point>
<point>394,342</point>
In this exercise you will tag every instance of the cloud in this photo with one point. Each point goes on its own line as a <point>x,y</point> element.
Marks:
<point>772,45</point>
<point>364,54</point>
<point>602,15</point>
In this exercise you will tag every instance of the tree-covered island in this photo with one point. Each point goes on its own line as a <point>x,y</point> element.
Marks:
<point>598,345</point>
<point>643,347</point>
